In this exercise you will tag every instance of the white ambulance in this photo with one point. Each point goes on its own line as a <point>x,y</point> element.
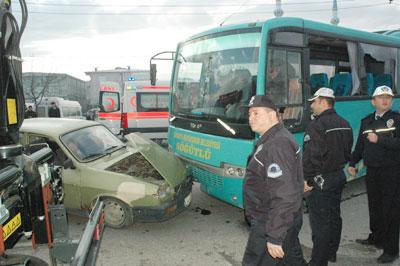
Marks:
<point>139,107</point>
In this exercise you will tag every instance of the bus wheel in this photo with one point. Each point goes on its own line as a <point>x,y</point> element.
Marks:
<point>116,213</point>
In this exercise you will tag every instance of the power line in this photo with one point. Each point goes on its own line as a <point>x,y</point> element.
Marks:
<point>181,5</point>
<point>339,8</point>
<point>229,16</point>
<point>194,13</point>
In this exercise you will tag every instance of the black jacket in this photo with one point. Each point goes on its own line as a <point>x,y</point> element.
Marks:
<point>385,153</point>
<point>273,183</point>
<point>328,141</point>
<point>30,114</point>
<point>54,112</point>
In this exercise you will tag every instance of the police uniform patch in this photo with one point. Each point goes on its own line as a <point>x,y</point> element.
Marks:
<point>306,138</point>
<point>274,171</point>
<point>390,123</point>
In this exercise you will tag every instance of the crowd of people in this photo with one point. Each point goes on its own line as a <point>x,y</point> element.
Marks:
<point>278,177</point>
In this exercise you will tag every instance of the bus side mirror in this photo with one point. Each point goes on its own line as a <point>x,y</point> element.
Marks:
<point>153,74</point>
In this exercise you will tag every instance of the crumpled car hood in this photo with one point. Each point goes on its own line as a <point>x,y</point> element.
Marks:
<point>166,163</point>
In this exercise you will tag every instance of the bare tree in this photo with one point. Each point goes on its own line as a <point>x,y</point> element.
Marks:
<point>38,86</point>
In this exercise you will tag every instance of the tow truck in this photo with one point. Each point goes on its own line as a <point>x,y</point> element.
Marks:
<point>31,190</point>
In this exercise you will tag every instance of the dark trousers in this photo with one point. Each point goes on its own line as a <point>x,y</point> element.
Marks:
<point>383,191</point>
<point>257,255</point>
<point>325,219</point>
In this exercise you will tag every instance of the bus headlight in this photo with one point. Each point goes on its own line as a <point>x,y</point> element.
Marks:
<point>233,171</point>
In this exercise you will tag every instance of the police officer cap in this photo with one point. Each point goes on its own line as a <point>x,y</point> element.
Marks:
<point>383,90</point>
<point>322,92</point>
<point>260,101</point>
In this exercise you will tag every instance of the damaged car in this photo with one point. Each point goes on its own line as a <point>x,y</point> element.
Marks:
<point>137,179</point>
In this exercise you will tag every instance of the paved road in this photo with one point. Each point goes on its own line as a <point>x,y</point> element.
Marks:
<point>213,233</point>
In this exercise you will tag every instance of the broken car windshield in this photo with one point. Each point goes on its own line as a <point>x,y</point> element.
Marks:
<point>91,142</point>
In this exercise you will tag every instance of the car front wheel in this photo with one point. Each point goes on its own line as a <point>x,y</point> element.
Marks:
<point>116,213</point>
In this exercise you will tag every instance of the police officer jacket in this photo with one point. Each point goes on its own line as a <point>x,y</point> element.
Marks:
<point>384,153</point>
<point>273,183</point>
<point>327,144</point>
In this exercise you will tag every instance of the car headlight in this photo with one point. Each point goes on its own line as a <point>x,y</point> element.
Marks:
<point>164,191</point>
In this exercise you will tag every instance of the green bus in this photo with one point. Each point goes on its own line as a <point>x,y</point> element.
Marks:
<point>217,71</point>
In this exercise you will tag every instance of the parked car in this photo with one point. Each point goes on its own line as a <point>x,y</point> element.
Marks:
<point>138,180</point>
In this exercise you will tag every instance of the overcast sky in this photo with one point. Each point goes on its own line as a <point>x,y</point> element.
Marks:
<point>72,37</point>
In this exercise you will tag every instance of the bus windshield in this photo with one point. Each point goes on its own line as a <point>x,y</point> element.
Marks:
<point>216,75</point>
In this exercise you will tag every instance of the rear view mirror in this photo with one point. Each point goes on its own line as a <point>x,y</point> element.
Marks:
<point>153,67</point>
<point>153,74</point>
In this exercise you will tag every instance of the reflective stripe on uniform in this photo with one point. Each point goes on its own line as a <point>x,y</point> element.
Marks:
<point>337,129</point>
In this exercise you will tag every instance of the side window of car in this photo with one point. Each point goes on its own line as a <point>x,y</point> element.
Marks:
<point>59,156</point>
<point>35,145</point>
<point>34,139</point>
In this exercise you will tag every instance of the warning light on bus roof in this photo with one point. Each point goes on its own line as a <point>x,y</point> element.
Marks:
<point>131,79</point>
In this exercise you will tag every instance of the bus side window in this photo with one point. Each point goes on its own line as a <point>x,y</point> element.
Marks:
<point>341,84</point>
<point>378,67</point>
<point>318,80</point>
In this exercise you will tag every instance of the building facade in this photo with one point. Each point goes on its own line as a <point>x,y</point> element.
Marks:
<point>38,84</point>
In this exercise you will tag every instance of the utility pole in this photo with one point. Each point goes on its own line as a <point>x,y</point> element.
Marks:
<point>335,19</point>
<point>278,12</point>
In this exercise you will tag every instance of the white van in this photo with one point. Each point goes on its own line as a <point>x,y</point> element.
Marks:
<point>68,109</point>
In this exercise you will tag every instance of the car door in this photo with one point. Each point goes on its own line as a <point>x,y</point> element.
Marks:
<point>71,176</point>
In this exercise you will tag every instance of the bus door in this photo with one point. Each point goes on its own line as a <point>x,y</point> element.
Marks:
<point>286,84</point>
<point>147,110</point>
<point>110,110</point>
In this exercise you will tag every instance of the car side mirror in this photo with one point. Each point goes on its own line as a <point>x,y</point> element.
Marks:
<point>68,164</point>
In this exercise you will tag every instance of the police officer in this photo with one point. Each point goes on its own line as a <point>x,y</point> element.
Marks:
<point>327,147</point>
<point>273,188</point>
<point>378,145</point>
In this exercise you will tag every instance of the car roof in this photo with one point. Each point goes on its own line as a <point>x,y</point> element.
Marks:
<point>54,127</point>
